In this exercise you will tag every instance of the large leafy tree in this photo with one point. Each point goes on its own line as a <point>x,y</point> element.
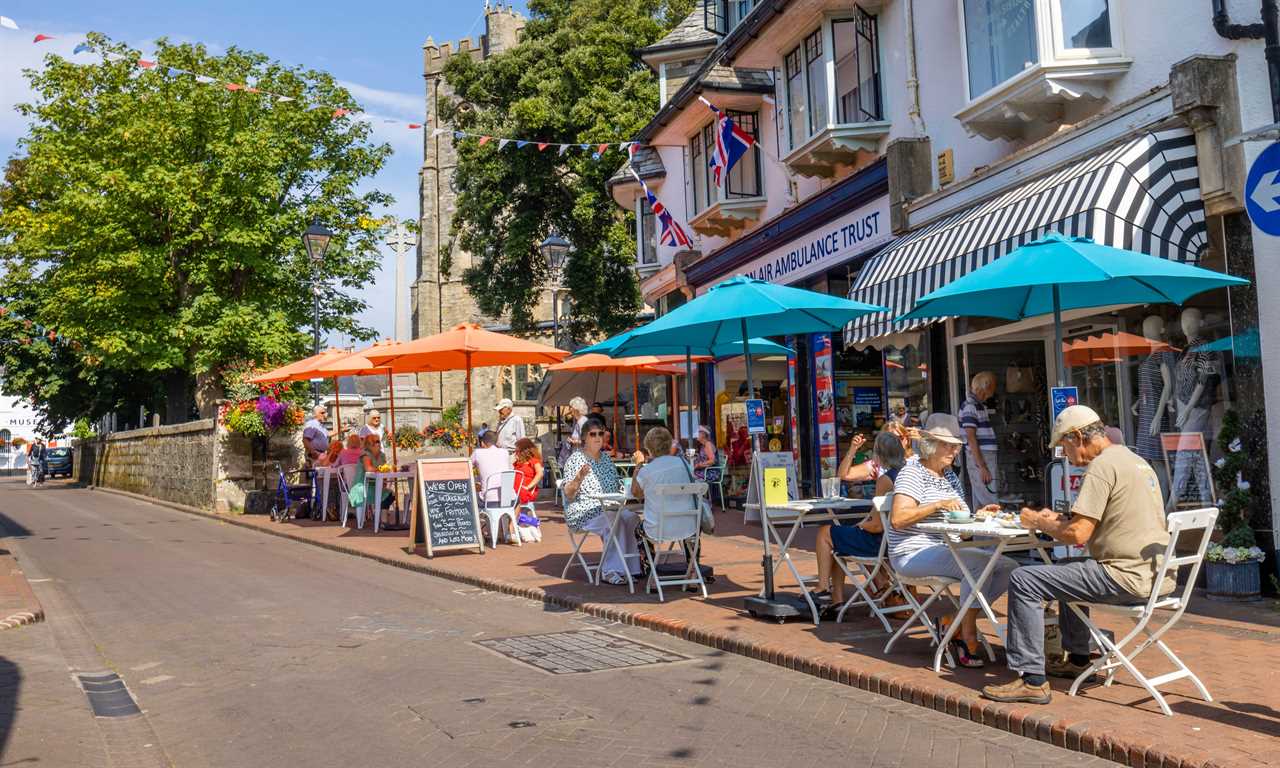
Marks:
<point>155,220</point>
<point>575,78</point>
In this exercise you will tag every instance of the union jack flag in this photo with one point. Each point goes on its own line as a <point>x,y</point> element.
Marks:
<point>671,233</point>
<point>731,144</point>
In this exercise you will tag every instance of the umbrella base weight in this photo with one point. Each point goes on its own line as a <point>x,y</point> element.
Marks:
<point>780,608</point>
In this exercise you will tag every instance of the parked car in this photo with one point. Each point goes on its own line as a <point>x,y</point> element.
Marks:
<point>58,462</point>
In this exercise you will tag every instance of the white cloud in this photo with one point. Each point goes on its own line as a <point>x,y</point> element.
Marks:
<point>404,106</point>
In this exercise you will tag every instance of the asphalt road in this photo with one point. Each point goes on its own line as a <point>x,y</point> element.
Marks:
<point>244,649</point>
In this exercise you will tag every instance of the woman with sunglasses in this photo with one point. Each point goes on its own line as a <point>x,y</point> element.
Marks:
<point>590,471</point>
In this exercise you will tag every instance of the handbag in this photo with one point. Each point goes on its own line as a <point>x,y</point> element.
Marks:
<point>1019,379</point>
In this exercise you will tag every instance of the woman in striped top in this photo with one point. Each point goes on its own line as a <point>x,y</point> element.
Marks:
<point>925,490</point>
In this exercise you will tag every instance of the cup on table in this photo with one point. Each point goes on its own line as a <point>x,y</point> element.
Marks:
<point>959,516</point>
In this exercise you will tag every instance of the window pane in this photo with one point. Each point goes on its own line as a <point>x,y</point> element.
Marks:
<point>708,147</point>
<point>744,178</point>
<point>857,70</point>
<point>798,118</point>
<point>817,76</point>
<point>738,10</point>
<point>648,234</point>
<point>1086,24</point>
<point>698,166</point>
<point>1001,41</point>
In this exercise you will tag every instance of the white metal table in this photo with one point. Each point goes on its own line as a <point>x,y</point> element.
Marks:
<point>994,538</point>
<point>800,512</point>
<point>613,504</point>
<point>325,475</point>
<point>377,477</point>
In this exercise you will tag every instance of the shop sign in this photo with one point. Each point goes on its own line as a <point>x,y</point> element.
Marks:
<point>1063,398</point>
<point>755,417</point>
<point>832,244</point>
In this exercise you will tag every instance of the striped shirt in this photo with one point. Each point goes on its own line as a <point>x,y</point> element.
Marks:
<point>976,415</point>
<point>925,487</point>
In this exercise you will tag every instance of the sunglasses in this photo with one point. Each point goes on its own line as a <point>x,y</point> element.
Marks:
<point>595,433</point>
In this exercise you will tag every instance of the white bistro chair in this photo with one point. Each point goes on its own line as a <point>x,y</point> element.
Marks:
<point>499,501</point>
<point>862,571</point>
<point>577,539</point>
<point>346,479</point>
<point>673,515</point>
<point>1118,653</point>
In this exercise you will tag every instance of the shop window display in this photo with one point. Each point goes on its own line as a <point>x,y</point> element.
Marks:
<point>730,413</point>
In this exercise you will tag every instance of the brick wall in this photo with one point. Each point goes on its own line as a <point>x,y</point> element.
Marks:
<point>174,463</point>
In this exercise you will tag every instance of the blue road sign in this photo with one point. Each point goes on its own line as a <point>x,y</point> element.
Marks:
<point>1063,398</point>
<point>1262,191</point>
<point>755,417</point>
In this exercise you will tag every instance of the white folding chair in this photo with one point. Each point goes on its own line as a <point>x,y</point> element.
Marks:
<point>673,515</point>
<point>866,569</point>
<point>1113,651</point>
<point>577,539</point>
<point>346,479</point>
<point>499,501</point>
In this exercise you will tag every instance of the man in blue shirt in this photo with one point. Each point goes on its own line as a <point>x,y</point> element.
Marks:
<point>980,440</point>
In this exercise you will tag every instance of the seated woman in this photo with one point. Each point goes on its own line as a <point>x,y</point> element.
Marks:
<point>706,456</point>
<point>590,471</point>
<point>924,491</point>
<point>666,467</point>
<point>330,457</point>
<point>353,452</point>
<point>373,458</point>
<point>871,470</point>
<point>863,539</point>
<point>528,467</point>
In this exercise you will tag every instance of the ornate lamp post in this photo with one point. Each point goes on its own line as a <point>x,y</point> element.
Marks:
<point>555,249</point>
<point>316,240</point>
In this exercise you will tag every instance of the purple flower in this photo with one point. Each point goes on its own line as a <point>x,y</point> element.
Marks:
<point>272,412</point>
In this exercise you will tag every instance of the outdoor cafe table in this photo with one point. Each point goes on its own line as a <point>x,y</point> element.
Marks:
<point>995,539</point>
<point>800,512</point>
<point>324,476</point>
<point>613,504</point>
<point>402,516</point>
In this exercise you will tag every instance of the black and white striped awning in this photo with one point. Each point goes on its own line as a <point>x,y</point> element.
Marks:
<point>1142,195</point>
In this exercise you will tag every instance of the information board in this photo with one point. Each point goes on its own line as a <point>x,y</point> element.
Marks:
<point>759,463</point>
<point>755,417</point>
<point>1062,398</point>
<point>1186,458</point>
<point>445,511</point>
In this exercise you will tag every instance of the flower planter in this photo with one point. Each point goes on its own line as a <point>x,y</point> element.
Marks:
<point>1233,582</point>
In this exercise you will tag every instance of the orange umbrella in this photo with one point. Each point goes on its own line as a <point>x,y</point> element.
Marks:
<point>464,347</point>
<point>664,365</point>
<point>359,364</point>
<point>1109,348</point>
<point>285,372</point>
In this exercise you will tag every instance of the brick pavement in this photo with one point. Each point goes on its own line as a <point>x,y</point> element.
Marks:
<point>245,649</point>
<point>1235,650</point>
<point>18,604</point>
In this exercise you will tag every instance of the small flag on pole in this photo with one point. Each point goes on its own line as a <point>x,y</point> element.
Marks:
<point>8,23</point>
<point>731,144</point>
<point>671,233</point>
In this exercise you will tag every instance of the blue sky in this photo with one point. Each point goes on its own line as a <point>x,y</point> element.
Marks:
<point>374,48</point>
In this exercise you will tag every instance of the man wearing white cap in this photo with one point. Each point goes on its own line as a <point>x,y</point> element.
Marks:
<point>510,426</point>
<point>1119,516</point>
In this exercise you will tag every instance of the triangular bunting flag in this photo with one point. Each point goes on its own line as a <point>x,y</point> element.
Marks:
<point>564,148</point>
<point>438,131</point>
<point>40,38</point>
<point>484,140</point>
<point>521,144</point>
<point>458,134</point>
<point>602,149</point>
<point>502,143</point>
<point>595,155</point>
<point>414,126</point>
<point>284,98</point>
<point>146,64</point>
<point>234,87</point>
<point>585,146</point>
<point>206,80</point>
<point>542,145</point>
<point>81,48</point>
<point>8,23</point>
<point>252,90</point>
<point>340,112</point>
<point>173,71</point>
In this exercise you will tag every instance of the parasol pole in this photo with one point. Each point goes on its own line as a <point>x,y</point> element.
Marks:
<point>337,407</point>
<point>675,405</point>
<point>688,386</point>
<point>635,403</point>
<point>470,430</point>
<point>616,434</point>
<point>1057,336</point>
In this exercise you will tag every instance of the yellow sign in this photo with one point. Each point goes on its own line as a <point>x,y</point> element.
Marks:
<point>946,167</point>
<point>775,487</point>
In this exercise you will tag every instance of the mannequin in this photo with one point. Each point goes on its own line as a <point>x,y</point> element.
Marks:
<point>1196,378</point>
<point>1154,406</point>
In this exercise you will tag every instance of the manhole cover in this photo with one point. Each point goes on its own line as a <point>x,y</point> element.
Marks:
<point>566,653</point>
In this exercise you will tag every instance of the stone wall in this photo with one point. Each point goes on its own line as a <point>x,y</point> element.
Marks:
<point>174,463</point>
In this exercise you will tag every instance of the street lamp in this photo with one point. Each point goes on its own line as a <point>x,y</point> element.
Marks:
<point>555,249</point>
<point>316,241</point>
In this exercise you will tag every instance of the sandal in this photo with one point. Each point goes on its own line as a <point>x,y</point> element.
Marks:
<point>963,656</point>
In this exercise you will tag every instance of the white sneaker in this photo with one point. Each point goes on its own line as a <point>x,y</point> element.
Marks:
<point>537,534</point>
<point>615,578</point>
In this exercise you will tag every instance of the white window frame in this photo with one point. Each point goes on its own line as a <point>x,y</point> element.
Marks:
<point>507,381</point>
<point>1049,45</point>
<point>641,202</point>
<point>719,193</point>
<point>829,66</point>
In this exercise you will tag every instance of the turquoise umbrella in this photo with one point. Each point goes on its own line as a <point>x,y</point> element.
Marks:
<point>738,310</point>
<point>1247,343</point>
<point>1056,273</point>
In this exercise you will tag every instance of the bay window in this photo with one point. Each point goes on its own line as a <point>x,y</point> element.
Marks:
<point>744,178</point>
<point>1000,41</point>
<point>847,47</point>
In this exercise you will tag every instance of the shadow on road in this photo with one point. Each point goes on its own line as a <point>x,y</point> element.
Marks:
<point>10,684</point>
<point>10,528</point>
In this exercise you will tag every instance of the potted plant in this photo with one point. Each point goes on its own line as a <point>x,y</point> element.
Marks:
<point>1232,564</point>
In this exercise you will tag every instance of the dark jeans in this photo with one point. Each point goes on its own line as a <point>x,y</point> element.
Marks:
<point>1075,579</point>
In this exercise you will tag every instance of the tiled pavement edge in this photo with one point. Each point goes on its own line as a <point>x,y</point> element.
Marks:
<point>1139,749</point>
<point>18,604</point>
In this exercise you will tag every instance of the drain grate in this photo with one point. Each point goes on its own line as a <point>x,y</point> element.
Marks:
<point>566,653</point>
<point>107,695</point>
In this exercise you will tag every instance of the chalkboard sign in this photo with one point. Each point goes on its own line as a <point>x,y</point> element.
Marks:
<point>445,512</point>
<point>1186,460</point>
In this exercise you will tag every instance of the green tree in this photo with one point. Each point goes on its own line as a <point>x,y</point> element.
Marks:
<point>156,221</point>
<point>574,78</point>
